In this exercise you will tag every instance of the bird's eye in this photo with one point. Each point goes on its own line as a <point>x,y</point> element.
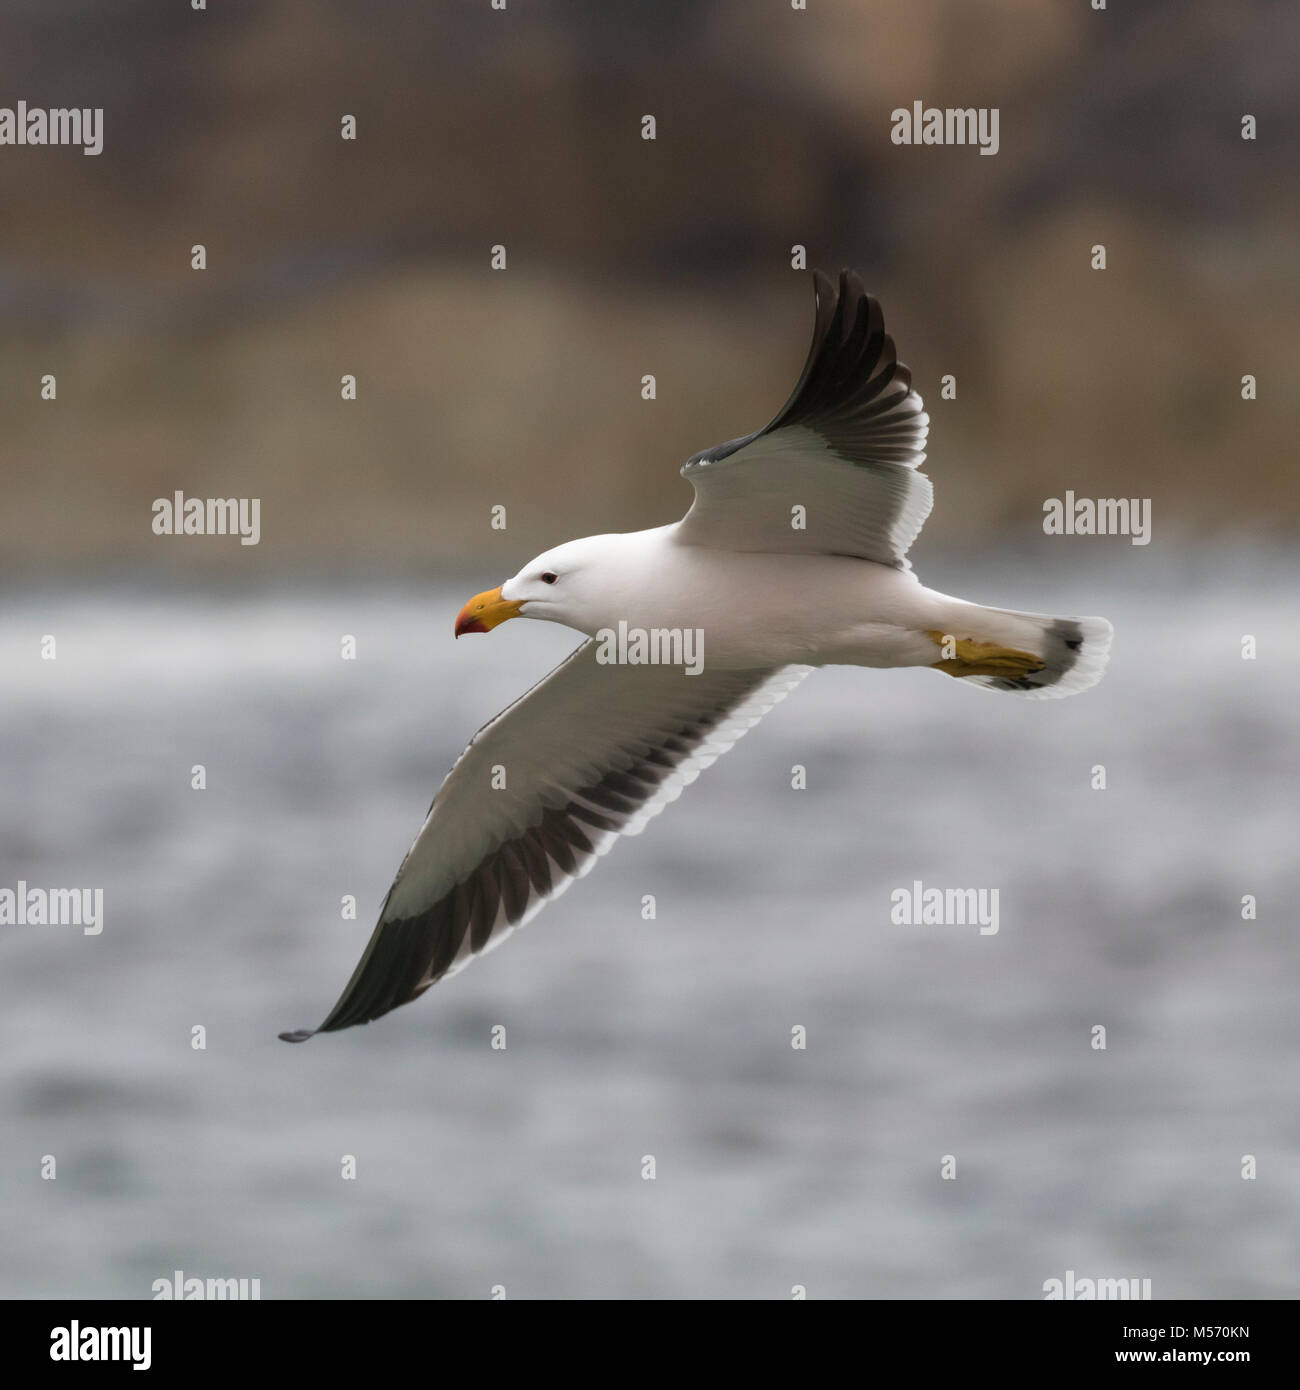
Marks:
<point>549,577</point>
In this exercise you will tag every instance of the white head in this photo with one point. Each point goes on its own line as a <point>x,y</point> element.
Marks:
<point>561,585</point>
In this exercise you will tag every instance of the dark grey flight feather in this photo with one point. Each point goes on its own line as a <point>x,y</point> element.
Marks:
<point>845,447</point>
<point>637,735</point>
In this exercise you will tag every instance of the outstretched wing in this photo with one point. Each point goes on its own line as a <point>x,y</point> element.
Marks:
<point>845,448</point>
<point>590,753</point>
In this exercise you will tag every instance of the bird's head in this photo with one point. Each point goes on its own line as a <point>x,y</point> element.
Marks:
<point>558,586</point>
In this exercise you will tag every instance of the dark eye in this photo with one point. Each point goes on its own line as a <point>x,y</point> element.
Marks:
<point>549,577</point>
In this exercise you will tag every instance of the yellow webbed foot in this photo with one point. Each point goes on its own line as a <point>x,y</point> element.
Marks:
<point>967,657</point>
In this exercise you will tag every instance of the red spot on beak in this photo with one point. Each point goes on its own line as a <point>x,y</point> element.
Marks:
<point>485,611</point>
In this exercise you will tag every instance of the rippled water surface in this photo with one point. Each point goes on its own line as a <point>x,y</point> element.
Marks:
<point>774,1167</point>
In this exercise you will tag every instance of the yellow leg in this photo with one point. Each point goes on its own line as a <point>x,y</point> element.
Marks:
<point>972,658</point>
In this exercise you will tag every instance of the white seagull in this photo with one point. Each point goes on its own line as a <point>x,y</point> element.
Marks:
<point>792,556</point>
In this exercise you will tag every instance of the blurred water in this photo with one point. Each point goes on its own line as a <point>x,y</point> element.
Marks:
<point>626,1038</point>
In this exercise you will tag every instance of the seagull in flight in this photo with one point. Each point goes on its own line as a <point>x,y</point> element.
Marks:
<point>792,556</point>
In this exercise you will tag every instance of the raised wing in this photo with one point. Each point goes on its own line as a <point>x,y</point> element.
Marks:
<point>845,449</point>
<point>590,753</point>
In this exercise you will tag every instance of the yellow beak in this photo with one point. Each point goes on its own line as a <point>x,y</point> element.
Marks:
<point>485,611</point>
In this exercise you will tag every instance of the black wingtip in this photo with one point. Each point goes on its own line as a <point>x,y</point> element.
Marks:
<point>298,1035</point>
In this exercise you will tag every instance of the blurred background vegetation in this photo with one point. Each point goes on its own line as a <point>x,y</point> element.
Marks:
<point>627,257</point>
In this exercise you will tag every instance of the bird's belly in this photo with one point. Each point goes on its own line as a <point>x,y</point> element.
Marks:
<point>752,610</point>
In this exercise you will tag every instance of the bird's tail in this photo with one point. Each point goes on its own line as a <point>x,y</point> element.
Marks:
<point>1029,654</point>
